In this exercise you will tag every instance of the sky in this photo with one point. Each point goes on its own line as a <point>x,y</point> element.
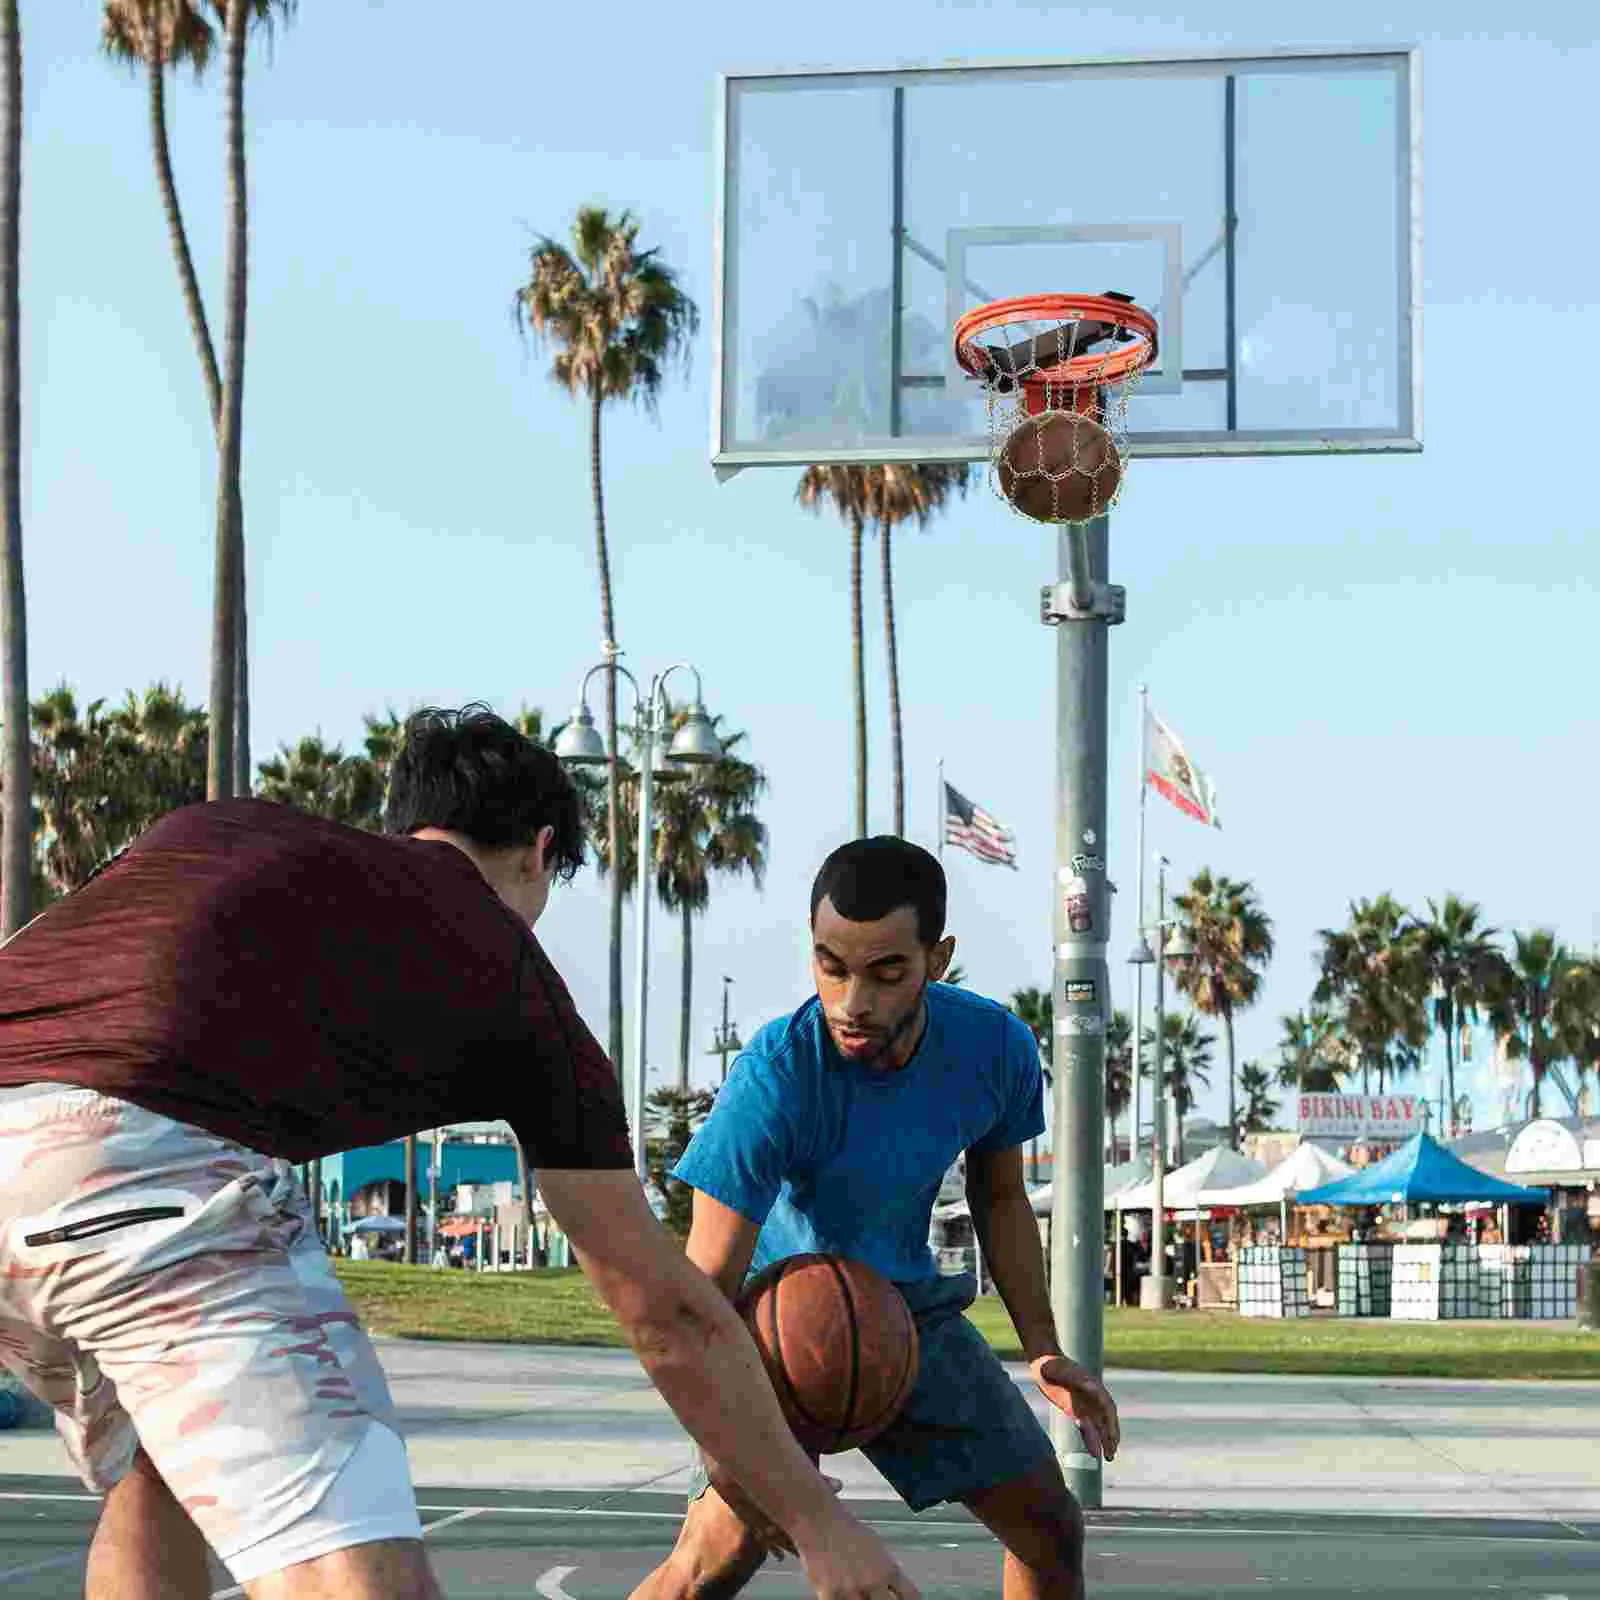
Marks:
<point>1384,664</point>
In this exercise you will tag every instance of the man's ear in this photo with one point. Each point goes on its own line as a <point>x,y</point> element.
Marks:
<point>539,853</point>
<point>939,958</point>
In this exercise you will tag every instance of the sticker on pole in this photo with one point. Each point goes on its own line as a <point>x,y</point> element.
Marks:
<point>1080,919</point>
<point>1082,992</point>
<point>1081,1025</point>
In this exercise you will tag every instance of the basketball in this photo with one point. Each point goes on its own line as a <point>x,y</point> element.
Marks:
<point>1059,467</point>
<point>839,1344</point>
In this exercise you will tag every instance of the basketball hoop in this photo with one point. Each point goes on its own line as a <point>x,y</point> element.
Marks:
<point>1058,396</point>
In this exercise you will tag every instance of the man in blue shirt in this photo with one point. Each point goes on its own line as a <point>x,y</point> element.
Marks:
<point>833,1133</point>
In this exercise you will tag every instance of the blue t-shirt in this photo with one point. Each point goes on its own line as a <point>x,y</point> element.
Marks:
<point>829,1155</point>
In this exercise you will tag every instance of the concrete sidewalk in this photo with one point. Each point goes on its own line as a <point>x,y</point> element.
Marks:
<point>545,1418</point>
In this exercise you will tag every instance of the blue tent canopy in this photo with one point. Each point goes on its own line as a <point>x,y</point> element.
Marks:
<point>1421,1169</point>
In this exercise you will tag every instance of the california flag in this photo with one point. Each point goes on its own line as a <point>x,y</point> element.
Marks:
<point>1169,770</point>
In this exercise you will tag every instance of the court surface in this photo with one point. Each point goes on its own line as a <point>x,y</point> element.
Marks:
<point>597,1547</point>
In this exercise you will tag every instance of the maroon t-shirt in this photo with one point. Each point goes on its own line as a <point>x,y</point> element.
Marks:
<point>303,988</point>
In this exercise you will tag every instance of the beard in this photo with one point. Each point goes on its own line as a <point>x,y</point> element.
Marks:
<point>878,1048</point>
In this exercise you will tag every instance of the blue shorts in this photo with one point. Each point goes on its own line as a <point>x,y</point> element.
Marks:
<point>966,1427</point>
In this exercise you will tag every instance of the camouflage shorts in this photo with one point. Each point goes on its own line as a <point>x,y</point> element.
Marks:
<point>160,1286</point>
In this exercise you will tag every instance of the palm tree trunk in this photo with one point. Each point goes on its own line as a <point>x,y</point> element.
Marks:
<point>225,619</point>
<point>613,788</point>
<point>411,1200</point>
<point>241,670</point>
<point>16,806</point>
<point>178,236</point>
<point>687,998</point>
<point>1233,1101</point>
<point>896,751</point>
<point>200,328</point>
<point>858,677</point>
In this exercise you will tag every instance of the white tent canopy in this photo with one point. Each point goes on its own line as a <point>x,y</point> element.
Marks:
<point>1116,1179</point>
<point>1307,1166</point>
<point>1191,1185</point>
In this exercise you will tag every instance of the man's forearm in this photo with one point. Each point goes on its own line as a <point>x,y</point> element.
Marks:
<point>701,1358</point>
<point>1008,1235</point>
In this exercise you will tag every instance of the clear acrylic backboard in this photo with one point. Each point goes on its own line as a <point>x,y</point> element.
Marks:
<point>1265,208</point>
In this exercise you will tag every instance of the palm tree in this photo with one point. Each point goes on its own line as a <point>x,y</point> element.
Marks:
<point>901,494</point>
<point>1232,938</point>
<point>70,787</point>
<point>1186,1066</point>
<point>1310,1052</point>
<point>619,320</point>
<point>102,778</point>
<point>1545,1006</point>
<point>848,490</point>
<point>672,1118</point>
<point>227,612</point>
<point>156,35</point>
<point>16,803</point>
<point>706,827</point>
<point>1375,968</point>
<point>1036,1008</point>
<point>1259,1106</point>
<point>321,779</point>
<point>1465,968</point>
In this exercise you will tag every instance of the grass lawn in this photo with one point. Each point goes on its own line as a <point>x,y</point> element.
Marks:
<point>558,1307</point>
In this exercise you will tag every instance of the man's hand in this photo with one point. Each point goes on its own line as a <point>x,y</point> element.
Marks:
<point>1082,1396</point>
<point>845,1560</point>
<point>841,1557</point>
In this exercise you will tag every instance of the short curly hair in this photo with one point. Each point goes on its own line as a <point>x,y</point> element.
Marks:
<point>867,879</point>
<point>470,772</point>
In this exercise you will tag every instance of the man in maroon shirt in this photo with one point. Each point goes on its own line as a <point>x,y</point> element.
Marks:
<point>246,988</point>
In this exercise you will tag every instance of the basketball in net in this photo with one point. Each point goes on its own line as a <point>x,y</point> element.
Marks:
<point>1058,371</point>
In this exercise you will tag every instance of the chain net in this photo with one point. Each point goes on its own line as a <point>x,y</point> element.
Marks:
<point>1063,462</point>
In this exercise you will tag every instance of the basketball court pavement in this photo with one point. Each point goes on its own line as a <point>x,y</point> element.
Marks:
<point>559,1473</point>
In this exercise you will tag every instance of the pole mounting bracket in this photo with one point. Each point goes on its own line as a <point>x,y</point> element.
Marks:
<point>1108,603</point>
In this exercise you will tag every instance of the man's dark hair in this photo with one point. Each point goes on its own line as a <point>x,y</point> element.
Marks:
<point>471,772</point>
<point>868,879</point>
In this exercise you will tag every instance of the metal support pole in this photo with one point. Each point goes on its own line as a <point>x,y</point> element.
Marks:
<point>897,268</point>
<point>433,1195</point>
<point>1081,1002</point>
<point>1155,1293</point>
<point>647,757</point>
<point>1139,924</point>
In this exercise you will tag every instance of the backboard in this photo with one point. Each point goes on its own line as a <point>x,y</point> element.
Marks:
<point>1265,208</point>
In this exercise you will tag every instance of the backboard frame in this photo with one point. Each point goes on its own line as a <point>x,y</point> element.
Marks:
<point>1406,438</point>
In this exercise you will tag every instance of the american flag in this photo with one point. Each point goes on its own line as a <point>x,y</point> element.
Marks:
<point>972,828</point>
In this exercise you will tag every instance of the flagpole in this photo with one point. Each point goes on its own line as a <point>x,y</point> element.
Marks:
<point>939,814</point>
<point>1138,919</point>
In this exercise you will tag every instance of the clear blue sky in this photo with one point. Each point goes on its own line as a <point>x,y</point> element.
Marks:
<point>1385,665</point>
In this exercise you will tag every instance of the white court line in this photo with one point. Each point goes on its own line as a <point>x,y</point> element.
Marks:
<point>445,1522</point>
<point>1130,1529</point>
<point>549,1584</point>
<point>40,1566</point>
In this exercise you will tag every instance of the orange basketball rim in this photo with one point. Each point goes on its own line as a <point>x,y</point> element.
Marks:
<point>1083,369</point>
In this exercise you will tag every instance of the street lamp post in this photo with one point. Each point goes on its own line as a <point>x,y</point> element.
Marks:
<point>1155,1293</point>
<point>694,744</point>
<point>726,1040</point>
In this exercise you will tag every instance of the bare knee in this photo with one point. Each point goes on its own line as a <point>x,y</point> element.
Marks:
<point>1060,1532</point>
<point>1038,1520</point>
<point>385,1569</point>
